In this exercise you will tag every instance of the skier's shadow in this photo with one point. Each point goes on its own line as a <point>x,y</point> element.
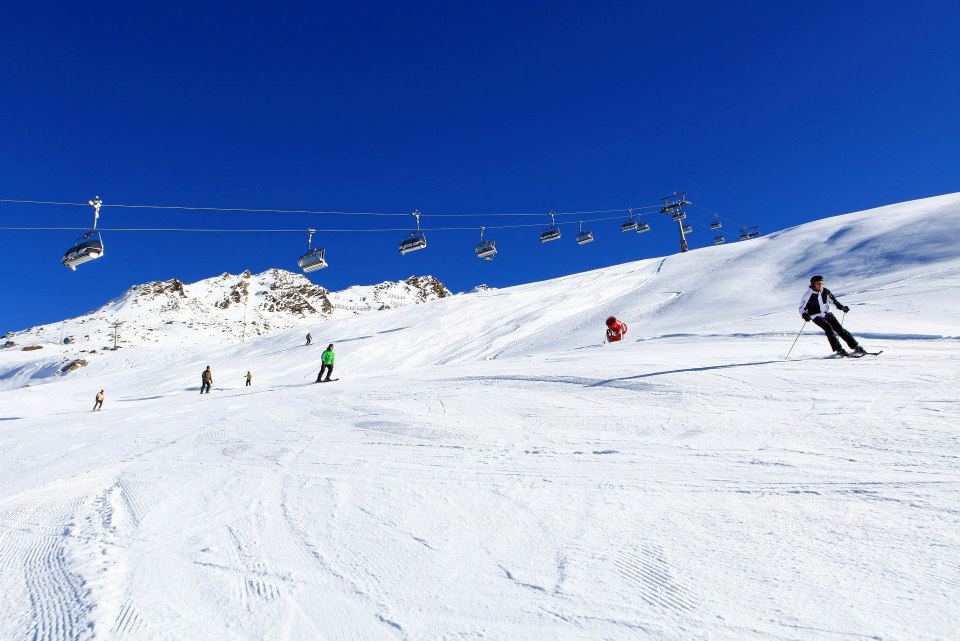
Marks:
<point>686,369</point>
<point>587,382</point>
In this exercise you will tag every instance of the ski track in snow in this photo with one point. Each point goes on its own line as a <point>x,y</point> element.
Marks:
<point>488,468</point>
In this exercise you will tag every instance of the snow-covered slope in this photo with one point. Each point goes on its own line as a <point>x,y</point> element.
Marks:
<point>487,467</point>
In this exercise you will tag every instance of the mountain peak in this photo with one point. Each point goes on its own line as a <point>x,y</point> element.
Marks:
<point>230,306</point>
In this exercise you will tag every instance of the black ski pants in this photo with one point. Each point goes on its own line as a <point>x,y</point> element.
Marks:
<point>204,387</point>
<point>325,368</point>
<point>832,328</point>
<point>98,405</point>
<point>249,383</point>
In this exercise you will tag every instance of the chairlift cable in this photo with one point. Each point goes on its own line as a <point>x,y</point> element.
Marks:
<point>316,212</point>
<point>298,230</point>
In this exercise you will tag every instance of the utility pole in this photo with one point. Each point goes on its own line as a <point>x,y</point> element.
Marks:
<point>246,299</point>
<point>674,205</point>
<point>116,327</point>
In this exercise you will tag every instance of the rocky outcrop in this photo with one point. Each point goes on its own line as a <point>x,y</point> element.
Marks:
<point>429,287</point>
<point>73,366</point>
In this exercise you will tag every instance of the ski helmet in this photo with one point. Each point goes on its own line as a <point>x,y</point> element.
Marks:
<point>611,321</point>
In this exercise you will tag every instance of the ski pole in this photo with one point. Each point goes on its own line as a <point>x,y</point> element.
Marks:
<point>795,341</point>
<point>842,318</point>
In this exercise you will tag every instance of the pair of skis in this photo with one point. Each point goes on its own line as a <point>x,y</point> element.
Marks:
<point>859,355</point>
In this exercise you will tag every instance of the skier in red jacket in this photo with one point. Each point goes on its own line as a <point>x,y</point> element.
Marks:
<point>615,329</point>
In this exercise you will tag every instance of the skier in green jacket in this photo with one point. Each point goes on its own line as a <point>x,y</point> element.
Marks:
<point>327,359</point>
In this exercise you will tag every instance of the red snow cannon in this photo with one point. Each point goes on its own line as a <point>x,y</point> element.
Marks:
<point>615,329</point>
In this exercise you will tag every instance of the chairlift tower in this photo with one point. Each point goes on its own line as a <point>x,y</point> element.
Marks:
<point>674,205</point>
<point>116,333</point>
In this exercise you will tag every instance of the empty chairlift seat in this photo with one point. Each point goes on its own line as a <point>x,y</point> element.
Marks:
<point>312,260</point>
<point>718,240</point>
<point>687,229</point>
<point>88,247</point>
<point>413,242</point>
<point>630,225</point>
<point>642,227</point>
<point>416,240</point>
<point>584,237</point>
<point>486,250</point>
<point>550,233</point>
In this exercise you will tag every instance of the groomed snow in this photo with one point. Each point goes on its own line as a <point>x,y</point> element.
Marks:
<point>487,468</point>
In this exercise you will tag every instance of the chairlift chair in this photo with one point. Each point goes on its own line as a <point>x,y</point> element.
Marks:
<point>631,223</point>
<point>716,224</point>
<point>550,233</point>
<point>744,234</point>
<point>86,248</point>
<point>642,227</point>
<point>486,249</point>
<point>584,237</point>
<point>718,240</point>
<point>416,240</point>
<point>89,246</point>
<point>687,229</point>
<point>314,258</point>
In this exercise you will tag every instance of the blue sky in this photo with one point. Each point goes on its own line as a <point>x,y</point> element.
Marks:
<point>770,113</point>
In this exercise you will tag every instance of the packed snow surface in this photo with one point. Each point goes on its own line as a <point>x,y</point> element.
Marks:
<point>487,467</point>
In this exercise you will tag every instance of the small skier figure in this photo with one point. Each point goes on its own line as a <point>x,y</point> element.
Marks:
<point>616,329</point>
<point>309,339</point>
<point>206,380</point>
<point>249,379</point>
<point>816,305</point>
<point>327,359</point>
<point>98,404</point>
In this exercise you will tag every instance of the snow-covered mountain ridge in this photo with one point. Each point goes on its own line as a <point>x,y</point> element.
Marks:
<point>225,308</point>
